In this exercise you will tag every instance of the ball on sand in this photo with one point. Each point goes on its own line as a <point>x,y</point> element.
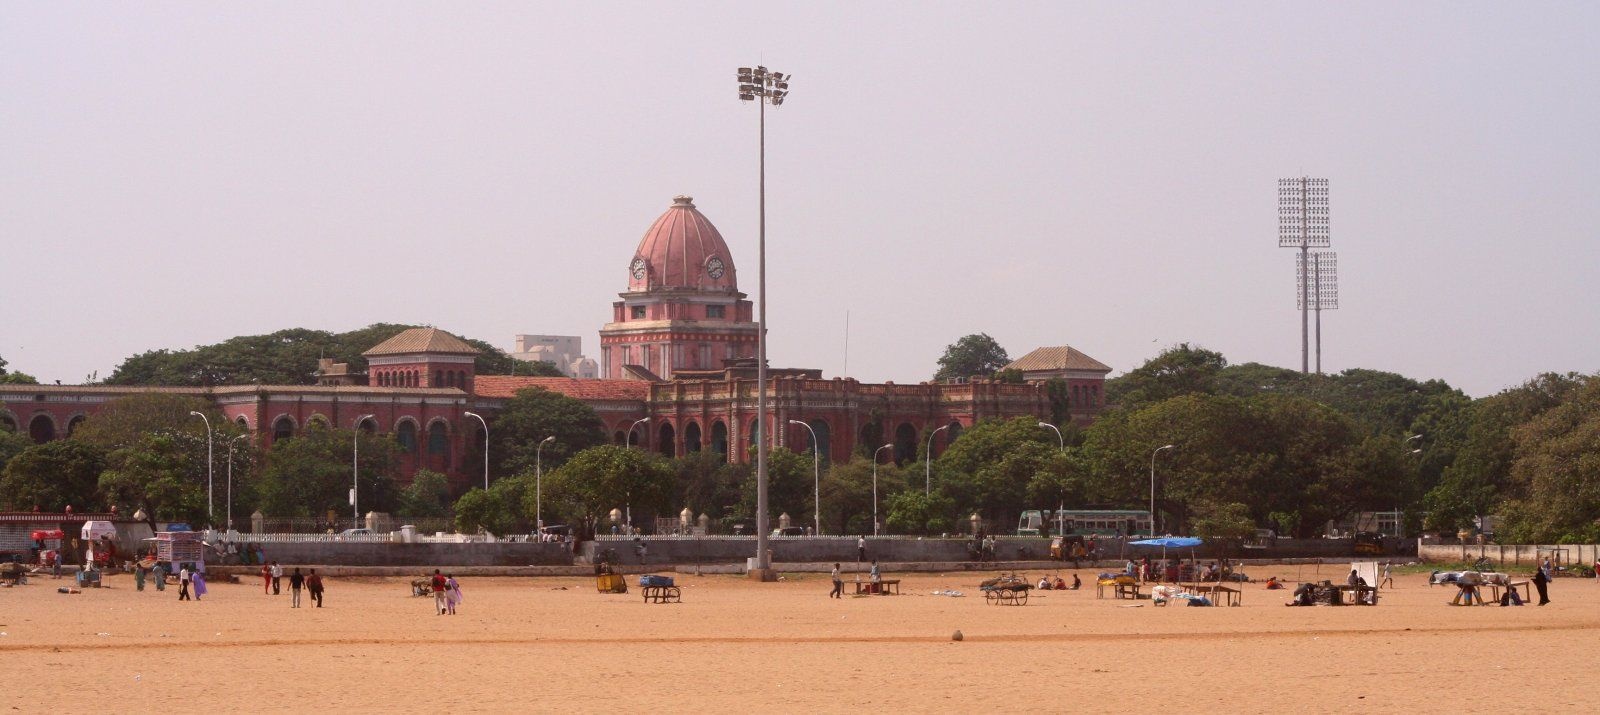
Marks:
<point>956,636</point>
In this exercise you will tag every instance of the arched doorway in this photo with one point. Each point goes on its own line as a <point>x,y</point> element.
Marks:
<point>824,438</point>
<point>406,435</point>
<point>74,423</point>
<point>905,443</point>
<point>618,437</point>
<point>439,445</point>
<point>7,423</point>
<point>755,429</point>
<point>719,438</point>
<point>667,444</point>
<point>870,438</point>
<point>42,429</point>
<point>952,434</point>
<point>691,438</point>
<point>368,425</point>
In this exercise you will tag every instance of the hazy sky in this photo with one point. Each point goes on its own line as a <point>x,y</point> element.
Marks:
<point>1101,175</point>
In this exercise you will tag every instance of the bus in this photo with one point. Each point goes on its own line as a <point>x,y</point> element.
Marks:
<point>1098,522</point>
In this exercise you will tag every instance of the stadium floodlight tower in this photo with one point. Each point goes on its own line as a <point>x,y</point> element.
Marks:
<point>1303,224</point>
<point>1323,275</point>
<point>762,86</point>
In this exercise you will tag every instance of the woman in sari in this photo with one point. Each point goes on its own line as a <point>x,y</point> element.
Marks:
<point>452,594</point>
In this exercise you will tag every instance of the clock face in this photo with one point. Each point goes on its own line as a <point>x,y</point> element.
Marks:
<point>714,267</point>
<point>638,269</point>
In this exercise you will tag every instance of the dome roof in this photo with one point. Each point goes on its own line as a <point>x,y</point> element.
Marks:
<point>682,250</point>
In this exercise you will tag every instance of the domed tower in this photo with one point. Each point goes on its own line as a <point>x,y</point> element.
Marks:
<point>683,309</point>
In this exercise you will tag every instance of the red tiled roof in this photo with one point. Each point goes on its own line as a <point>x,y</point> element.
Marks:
<point>423,340</point>
<point>1063,357</point>
<point>506,386</point>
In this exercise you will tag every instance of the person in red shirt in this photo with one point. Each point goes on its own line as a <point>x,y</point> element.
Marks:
<point>438,585</point>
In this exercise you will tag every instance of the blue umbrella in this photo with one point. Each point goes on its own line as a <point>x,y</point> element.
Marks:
<point>1176,542</point>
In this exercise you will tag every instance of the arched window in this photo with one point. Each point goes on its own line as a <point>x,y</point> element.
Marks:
<point>72,424</point>
<point>439,440</point>
<point>719,438</point>
<point>406,435</point>
<point>755,429</point>
<point>905,443</point>
<point>438,378</point>
<point>618,438</point>
<point>282,428</point>
<point>952,434</point>
<point>243,423</point>
<point>8,424</point>
<point>368,425</point>
<point>317,422</point>
<point>691,438</point>
<point>667,445</point>
<point>42,429</point>
<point>824,438</point>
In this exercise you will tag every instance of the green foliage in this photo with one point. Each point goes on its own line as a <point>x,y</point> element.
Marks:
<point>1557,472</point>
<point>485,510</point>
<point>532,415</point>
<point>286,357</point>
<point>53,476</point>
<point>598,479</point>
<point>998,468</point>
<point>791,485</point>
<point>127,420</point>
<point>1177,371</point>
<point>11,444</point>
<point>427,496</point>
<point>1010,376</point>
<point>913,512</point>
<point>972,356</point>
<point>708,484</point>
<point>160,473</point>
<point>310,475</point>
<point>847,495</point>
<point>14,378</point>
<point>534,368</point>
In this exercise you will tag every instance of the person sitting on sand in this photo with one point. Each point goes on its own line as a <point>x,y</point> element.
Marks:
<point>1077,583</point>
<point>1044,583</point>
<point>1303,595</point>
<point>1060,584</point>
<point>1273,583</point>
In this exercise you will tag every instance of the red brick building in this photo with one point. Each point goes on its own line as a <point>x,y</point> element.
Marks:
<point>679,351</point>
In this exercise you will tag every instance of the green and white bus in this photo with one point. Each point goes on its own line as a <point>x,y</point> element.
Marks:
<point>1098,522</point>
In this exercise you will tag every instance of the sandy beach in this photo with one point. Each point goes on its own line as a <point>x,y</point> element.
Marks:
<point>554,644</point>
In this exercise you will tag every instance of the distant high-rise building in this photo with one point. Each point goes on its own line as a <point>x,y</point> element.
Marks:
<point>563,351</point>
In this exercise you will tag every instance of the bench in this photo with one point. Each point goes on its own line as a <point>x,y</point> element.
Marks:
<point>1219,594</point>
<point>662,594</point>
<point>885,587</point>
<point>1122,587</point>
<point>1494,588</point>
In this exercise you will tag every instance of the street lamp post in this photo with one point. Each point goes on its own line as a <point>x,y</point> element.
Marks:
<point>1061,442</point>
<point>1153,488</point>
<point>764,87</point>
<point>355,471</point>
<point>231,443</point>
<point>628,440</point>
<point>927,464</point>
<point>538,484</point>
<point>816,474</point>
<point>210,466</point>
<point>485,447</point>
<point>875,486</point>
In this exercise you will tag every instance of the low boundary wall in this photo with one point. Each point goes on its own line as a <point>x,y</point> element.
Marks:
<point>1510,554</point>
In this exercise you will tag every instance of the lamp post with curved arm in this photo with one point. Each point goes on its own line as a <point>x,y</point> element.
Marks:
<point>355,471</point>
<point>231,443</point>
<point>210,462</point>
<point>927,465</point>
<point>627,442</point>
<point>1153,488</point>
<point>1061,441</point>
<point>485,447</point>
<point>875,485</point>
<point>816,475</point>
<point>538,485</point>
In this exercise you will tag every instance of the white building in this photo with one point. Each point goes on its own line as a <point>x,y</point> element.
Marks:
<point>563,351</point>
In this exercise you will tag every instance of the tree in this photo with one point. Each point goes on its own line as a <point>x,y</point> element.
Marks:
<point>1177,371</point>
<point>790,486</point>
<point>534,414</point>
<point>14,378</point>
<point>1556,472</point>
<point>913,512</point>
<point>53,476</point>
<point>535,368</point>
<point>310,475</point>
<point>159,474</point>
<point>428,496</point>
<point>989,468</point>
<point>285,357</point>
<point>485,510</point>
<point>972,356</point>
<point>847,494</point>
<point>125,421</point>
<point>11,445</point>
<point>601,478</point>
<point>708,483</point>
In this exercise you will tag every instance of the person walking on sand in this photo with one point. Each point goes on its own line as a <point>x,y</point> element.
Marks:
<point>266,579</point>
<point>1388,580</point>
<point>183,583</point>
<point>277,577</point>
<point>198,579</point>
<point>1541,581</point>
<point>296,582</point>
<point>159,573</point>
<point>314,586</point>
<point>138,575</point>
<point>438,584</point>
<point>452,593</point>
<point>838,585</point>
<point>861,548</point>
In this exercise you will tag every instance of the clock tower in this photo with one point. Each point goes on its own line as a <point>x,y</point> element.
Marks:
<point>682,309</point>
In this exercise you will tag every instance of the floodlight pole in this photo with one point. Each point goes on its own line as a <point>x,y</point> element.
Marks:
<point>816,473</point>
<point>762,86</point>
<point>875,486</point>
<point>1153,488</point>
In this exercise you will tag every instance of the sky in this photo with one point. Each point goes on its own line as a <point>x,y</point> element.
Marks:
<point>1102,175</point>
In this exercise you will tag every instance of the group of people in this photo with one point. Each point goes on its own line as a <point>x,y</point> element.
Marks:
<point>272,582</point>
<point>1059,584</point>
<point>447,593</point>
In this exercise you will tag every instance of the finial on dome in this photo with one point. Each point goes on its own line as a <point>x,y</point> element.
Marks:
<point>683,200</point>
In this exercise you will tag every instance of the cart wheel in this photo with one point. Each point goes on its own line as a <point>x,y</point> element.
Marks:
<point>1022,598</point>
<point>991,596</point>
